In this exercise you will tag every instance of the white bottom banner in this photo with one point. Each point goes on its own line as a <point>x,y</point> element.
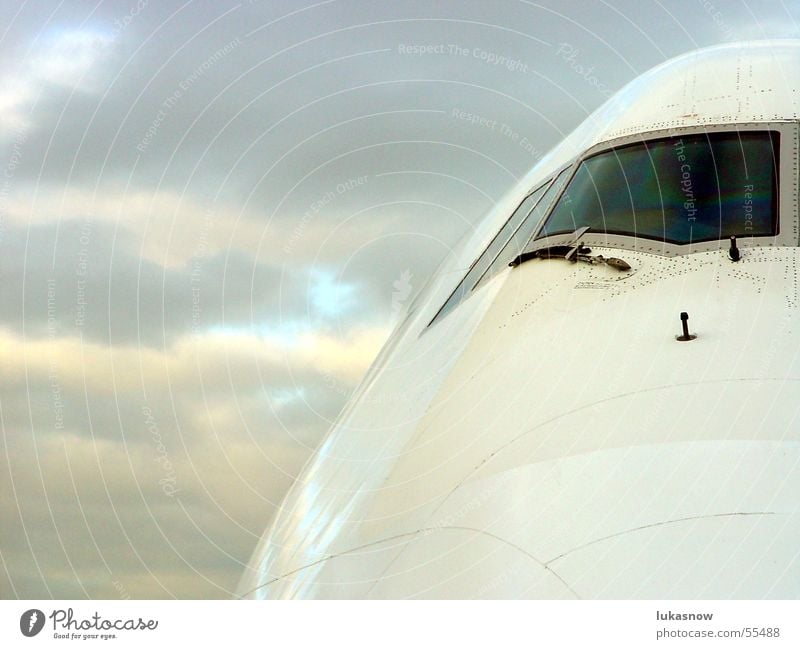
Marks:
<point>375,624</point>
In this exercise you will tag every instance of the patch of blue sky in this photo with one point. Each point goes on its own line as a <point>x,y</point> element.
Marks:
<point>329,297</point>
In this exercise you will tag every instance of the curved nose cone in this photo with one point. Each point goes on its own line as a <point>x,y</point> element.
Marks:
<point>549,436</point>
<point>655,470</point>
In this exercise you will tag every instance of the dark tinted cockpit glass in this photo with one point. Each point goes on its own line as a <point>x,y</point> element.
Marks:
<point>679,190</point>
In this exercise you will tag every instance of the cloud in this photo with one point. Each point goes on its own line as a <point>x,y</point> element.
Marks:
<point>223,361</point>
<point>165,228</point>
<point>86,276</point>
<point>96,517</point>
<point>151,472</point>
<point>67,56</point>
<point>64,58</point>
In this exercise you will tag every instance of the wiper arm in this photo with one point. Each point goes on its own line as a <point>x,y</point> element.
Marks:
<point>565,250</point>
<point>571,251</point>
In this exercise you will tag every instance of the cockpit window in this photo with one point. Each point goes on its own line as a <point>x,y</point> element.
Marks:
<point>489,255</point>
<point>680,190</point>
<point>526,229</point>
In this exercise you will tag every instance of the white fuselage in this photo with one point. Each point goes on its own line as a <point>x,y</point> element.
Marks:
<point>549,437</point>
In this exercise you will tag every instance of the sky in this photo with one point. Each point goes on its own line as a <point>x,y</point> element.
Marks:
<point>211,216</point>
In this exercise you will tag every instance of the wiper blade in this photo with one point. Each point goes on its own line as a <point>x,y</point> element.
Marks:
<point>565,250</point>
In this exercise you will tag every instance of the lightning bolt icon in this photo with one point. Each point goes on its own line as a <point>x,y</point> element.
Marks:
<point>32,621</point>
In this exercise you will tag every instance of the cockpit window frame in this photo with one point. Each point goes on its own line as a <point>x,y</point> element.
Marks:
<point>786,204</point>
<point>787,201</point>
<point>466,291</point>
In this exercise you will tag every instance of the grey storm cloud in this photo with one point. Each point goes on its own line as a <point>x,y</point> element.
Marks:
<point>79,277</point>
<point>197,99</point>
<point>211,214</point>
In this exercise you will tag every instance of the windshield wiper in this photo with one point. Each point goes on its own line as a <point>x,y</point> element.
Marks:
<point>571,251</point>
<point>566,250</point>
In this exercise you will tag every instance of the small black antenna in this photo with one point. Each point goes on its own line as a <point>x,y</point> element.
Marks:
<point>685,324</point>
<point>733,252</point>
